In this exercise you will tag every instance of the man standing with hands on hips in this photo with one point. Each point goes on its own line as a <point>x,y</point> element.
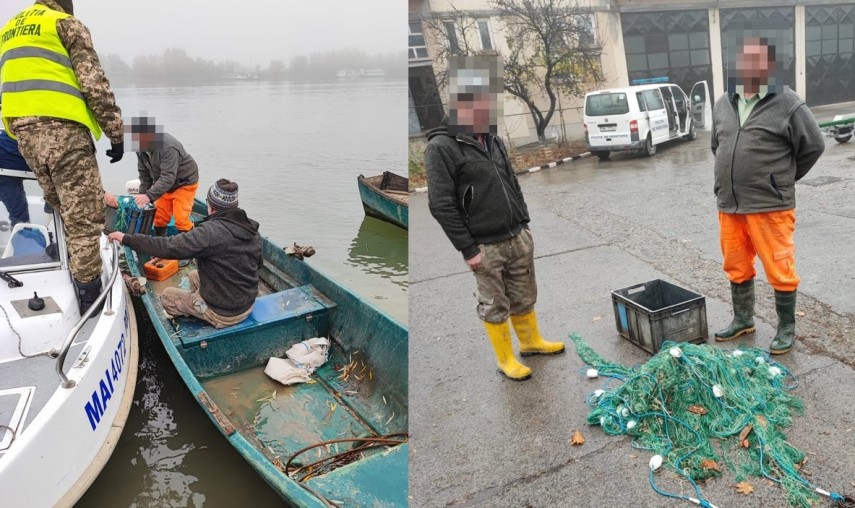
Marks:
<point>474,195</point>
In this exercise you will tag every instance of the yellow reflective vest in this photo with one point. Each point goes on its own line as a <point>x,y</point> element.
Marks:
<point>35,71</point>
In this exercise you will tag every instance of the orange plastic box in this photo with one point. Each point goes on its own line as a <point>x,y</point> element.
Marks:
<point>160,269</point>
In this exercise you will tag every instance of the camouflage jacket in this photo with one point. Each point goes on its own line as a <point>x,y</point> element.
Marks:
<point>93,82</point>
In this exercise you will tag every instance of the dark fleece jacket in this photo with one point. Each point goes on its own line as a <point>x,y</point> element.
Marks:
<point>758,163</point>
<point>472,193</point>
<point>227,248</point>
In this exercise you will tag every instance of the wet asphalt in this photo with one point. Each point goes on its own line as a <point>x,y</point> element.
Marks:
<point>481,440</point>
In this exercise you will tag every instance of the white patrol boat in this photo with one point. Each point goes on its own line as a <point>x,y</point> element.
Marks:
<point>66,381</point>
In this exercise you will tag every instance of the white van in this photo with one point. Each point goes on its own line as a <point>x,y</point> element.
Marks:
<point>640,117</point>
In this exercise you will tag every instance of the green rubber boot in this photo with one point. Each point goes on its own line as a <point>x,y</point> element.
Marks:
<point>785,304</point>
<point>742,295</point>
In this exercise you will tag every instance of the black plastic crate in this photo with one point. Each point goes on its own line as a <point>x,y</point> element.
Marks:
<point>648,314</point>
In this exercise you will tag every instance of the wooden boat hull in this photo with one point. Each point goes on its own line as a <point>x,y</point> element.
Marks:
<point>385,197</point>
<point>360,391</point>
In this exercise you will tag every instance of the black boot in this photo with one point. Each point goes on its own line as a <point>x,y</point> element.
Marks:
<point>742,296</point>
<point>160,230</point>
<point>785,304</point>
<point>87,293</point>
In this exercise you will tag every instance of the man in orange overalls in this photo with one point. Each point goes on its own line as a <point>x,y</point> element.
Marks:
<point>168,174</point>
<point>764,139</point>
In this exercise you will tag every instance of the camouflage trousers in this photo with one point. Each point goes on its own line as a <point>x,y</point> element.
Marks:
<point>505,281</point>
<point>62,156</point>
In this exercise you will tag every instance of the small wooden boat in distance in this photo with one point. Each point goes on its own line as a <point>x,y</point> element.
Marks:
<point>339,439</point>
<point>386,197</point>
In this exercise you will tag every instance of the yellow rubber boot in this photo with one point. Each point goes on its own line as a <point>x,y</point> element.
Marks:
<point>500,337</point>
<point>531,343</point>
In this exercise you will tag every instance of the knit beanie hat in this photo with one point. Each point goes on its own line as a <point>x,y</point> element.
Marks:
<point>223,195</point>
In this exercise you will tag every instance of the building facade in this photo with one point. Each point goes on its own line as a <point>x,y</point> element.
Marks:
<point>684,41</point>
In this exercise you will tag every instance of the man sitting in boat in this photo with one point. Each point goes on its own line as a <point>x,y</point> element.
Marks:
<point>227,248</point>
<point>12,192</point>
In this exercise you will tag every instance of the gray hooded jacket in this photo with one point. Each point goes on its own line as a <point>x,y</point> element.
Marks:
<point>227,248</point>
<point>758,164</point>
<point>166,169</point>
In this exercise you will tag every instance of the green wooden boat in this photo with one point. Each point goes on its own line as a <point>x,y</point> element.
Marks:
<point>338,440</point>
<point>386,197</point>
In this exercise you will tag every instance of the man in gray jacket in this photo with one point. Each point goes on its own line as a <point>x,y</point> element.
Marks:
<point>168,174</point>
<point>227,248</point>
<point>764,139</point>
<point>474,195</point>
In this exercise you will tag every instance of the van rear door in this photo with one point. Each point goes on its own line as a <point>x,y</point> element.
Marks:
<point>607,117</point>
<point>701,105</point>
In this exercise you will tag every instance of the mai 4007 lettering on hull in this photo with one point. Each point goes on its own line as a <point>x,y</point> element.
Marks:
<point>101,396</point>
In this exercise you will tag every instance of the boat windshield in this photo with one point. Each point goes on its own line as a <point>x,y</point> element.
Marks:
<point>30,241</point>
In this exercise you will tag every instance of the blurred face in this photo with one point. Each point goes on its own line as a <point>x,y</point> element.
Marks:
<point>144,141</point>
<point>474,113</point>
<point>753,65</point>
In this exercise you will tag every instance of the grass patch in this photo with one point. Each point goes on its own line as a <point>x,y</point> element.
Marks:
<point>416,163</point>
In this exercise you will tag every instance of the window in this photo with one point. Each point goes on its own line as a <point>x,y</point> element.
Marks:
<point>606,104</point>
<point>418,48</point>
<point>653,100</point>
<point>642,106</point>
<point>452,32</point>
<point>32,245</point>
<point>484,35</point>
<point>584,24</point>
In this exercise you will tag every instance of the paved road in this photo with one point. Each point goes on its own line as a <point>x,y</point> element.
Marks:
<point>480,440</point>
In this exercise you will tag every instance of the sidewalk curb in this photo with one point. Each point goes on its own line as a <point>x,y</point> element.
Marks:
<point>535,169</point>
<point>553,164</point>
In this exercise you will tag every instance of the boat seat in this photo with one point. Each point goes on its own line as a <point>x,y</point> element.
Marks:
<point>291,304</point>
<point>26,238</point>
<point>373,481</point>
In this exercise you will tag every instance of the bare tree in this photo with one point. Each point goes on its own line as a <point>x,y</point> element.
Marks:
<point>454,31</point>
<point>552,48</point>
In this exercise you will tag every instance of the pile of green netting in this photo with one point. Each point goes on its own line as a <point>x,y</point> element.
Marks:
<point>128,213</point>
<point>686,395</point>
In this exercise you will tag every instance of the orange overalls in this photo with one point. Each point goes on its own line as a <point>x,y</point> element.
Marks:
<point>768,235</point>
<point>178,203</point>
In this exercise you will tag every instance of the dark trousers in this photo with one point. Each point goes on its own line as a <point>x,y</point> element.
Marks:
<point>13,196</point>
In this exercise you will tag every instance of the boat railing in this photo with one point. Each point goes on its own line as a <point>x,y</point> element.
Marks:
<point>106,294</point>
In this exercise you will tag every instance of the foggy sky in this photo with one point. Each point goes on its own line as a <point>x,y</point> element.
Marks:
<point>251,33</point>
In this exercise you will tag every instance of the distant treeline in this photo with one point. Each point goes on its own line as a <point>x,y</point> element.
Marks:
<point>175,66</point>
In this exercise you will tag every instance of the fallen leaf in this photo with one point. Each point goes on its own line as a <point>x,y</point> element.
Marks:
<point>577,439</point>
<point>698,410</point>
<point>710,464</point>
<point>744,434</point>
<point>744,488</point>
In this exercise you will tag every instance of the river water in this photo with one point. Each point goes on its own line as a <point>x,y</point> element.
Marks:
<point>295,149</point>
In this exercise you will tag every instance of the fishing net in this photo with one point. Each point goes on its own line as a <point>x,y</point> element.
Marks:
<point>702,409</point>
<point>130,218</point>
